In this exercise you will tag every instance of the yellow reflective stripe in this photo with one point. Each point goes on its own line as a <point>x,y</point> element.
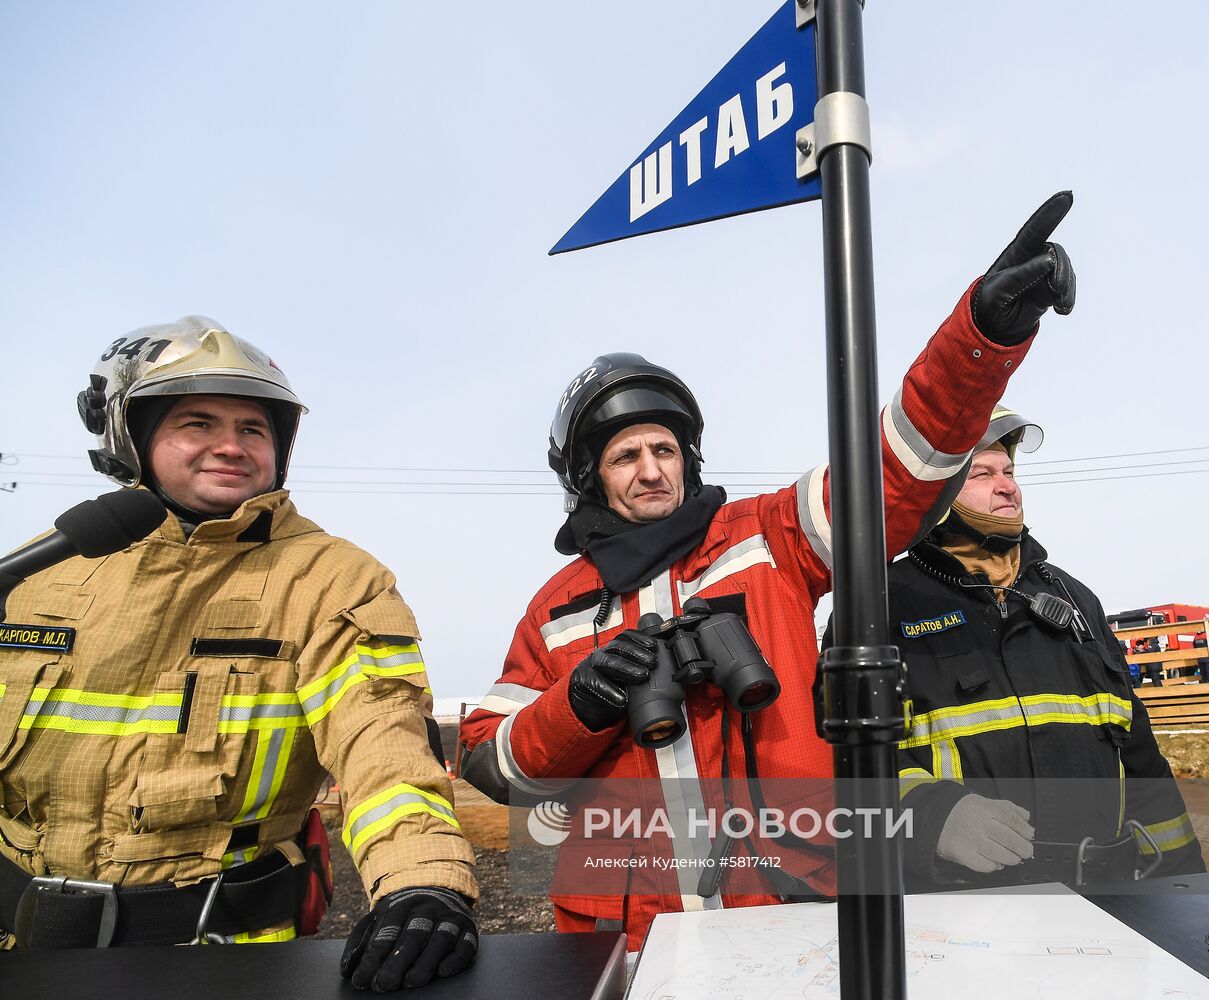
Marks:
<point>244,937</point>
<point>946,762</point>
<point>321,696</point>
<point>279,769</point>
<point>96,713</point>
<point>383,810</point>
<point>963,720</point>
<point>100,713</point>
<point>911,778</point>
<point>241,713</point>
<point>1170,835</point>
<point>268,771</point>
<point>307,692</point>
<point>254,778</point>
<point>1095,709</point>
<point>955,721</point>
<point>1121,783</point>
<point>239,857</point>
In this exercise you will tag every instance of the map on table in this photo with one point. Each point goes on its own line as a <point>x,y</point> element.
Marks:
<point>1005,946</point>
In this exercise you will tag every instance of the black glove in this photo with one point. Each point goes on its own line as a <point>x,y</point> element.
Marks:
<point>598,685</point>
<point>410,936</point>
<point>1027,278</point>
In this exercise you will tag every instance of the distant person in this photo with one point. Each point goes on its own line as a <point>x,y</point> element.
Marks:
<point>648,534</point>
<point>1154,669</point>
<point>1135,675</point>
<point>1027,750</point>
<point>1202,665</point>
<point>212,675</point>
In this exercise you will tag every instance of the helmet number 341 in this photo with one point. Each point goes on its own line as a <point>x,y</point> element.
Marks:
<point>135,347</point>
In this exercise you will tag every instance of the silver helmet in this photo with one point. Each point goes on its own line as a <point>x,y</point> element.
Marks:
<point>193,356</point>
<point>1013,430</point>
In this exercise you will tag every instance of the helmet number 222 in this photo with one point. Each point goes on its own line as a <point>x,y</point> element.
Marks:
<point>575,386</point>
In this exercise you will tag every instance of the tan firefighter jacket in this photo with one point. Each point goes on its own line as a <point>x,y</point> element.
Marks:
<point>171,710</point>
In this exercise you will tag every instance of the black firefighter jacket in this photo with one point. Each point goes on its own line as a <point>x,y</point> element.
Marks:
<point>1011,707</point>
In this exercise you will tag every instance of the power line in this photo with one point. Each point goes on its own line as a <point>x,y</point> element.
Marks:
<point>545,472</point>
<point>1105,479</point>
<point>1112,468</point>
<point>1128,454</point>
<point>733,491</point>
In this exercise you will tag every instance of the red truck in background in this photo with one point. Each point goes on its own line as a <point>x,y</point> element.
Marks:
<point>1194,640</point>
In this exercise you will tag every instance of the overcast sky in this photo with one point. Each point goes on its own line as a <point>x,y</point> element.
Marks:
<point>367,191</point>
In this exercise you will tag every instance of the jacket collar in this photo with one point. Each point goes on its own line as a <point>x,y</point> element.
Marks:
<point>262,519</point>
<point>941,564</point>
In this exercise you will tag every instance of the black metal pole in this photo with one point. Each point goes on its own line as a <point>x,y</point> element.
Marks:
<point>862,677</point>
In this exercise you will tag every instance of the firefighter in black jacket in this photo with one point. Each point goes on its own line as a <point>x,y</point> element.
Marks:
<point>1029,758</point>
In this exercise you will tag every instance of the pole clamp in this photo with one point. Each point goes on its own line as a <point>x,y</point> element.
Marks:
<point>840,119</point>
<point>807,10</point>
<point>863,695</point>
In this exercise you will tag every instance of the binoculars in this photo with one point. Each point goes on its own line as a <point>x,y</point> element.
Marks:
<point>698,645</point>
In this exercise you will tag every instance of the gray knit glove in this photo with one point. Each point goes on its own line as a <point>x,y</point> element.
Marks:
<point>986,835</point>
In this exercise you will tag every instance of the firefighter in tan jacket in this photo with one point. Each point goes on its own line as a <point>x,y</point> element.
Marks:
<point>165,756</point>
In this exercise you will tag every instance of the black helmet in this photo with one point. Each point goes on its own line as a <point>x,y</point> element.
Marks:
<point>615,391</point>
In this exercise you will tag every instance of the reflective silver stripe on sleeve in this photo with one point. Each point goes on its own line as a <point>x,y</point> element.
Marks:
<point>511,770</point>
<point>508,699</point>
<point>346,676</point>
<point>911,448</point>
<point>911,778</point>
<point>743,555</point>
<point>813,514</point>
<point>384,809</point>
<point>394,660</point>
<point>1170,835</point>
<point>568,628</point>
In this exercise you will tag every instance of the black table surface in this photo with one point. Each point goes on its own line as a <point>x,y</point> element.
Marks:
<point>520,966</point>
<point>1171,912</point>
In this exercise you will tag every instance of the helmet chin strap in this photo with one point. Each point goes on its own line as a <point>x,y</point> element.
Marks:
<point>188,516</point>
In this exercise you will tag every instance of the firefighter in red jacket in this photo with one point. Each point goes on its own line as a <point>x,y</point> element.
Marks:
<point>649,535</point>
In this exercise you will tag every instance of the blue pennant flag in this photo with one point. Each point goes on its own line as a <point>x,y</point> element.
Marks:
<point>732,150</point>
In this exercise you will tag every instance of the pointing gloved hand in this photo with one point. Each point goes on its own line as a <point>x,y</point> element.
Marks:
<point>1031,275</point>
<point>986,835</point>
<point>598,685</point>
<point>410,936</point>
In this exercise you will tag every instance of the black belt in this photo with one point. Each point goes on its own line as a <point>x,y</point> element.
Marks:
<point>1119,860</point>
<point>57,912</point>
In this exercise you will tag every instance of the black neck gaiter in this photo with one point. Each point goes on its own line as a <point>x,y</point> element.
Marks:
<point>629,555</point>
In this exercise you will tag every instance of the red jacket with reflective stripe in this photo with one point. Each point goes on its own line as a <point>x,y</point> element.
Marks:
<point>773,553</point>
